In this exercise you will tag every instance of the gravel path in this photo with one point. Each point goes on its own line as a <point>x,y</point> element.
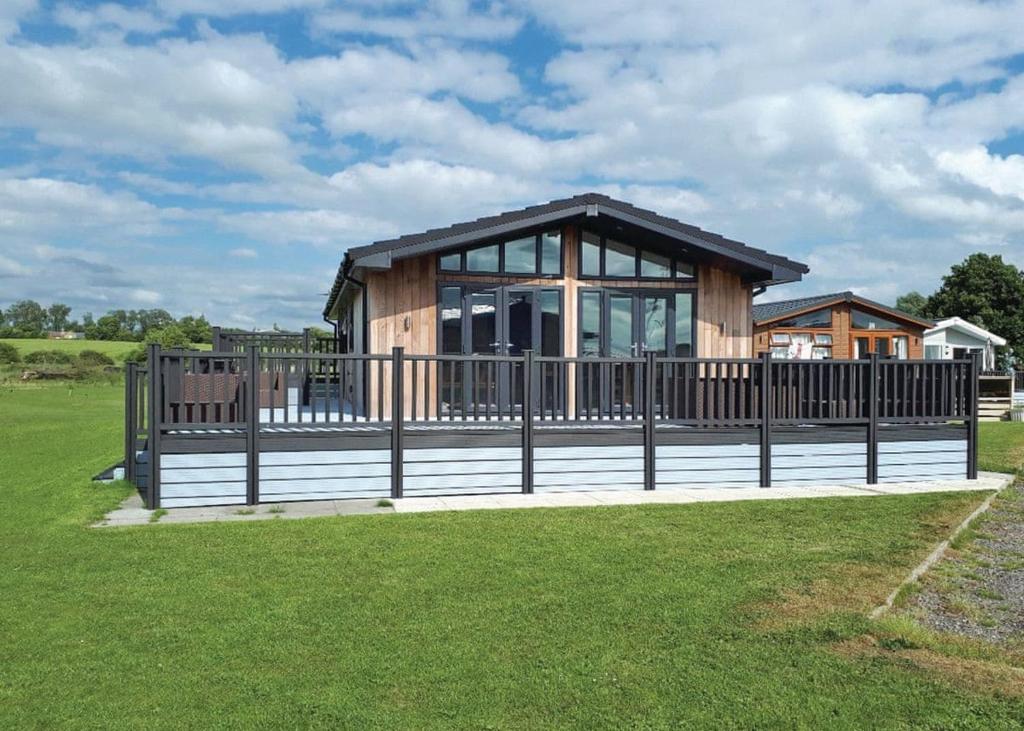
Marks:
<point>978,589</point>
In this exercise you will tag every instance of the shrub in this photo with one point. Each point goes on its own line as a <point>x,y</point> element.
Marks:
<point>49,357</point>
<point>171,336</point>
<point>94,359</point>
<point>9,354</point>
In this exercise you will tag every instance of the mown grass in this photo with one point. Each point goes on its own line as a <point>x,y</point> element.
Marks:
<point>1001,446</point>
<point>641,616</point>
<point>116,349</point>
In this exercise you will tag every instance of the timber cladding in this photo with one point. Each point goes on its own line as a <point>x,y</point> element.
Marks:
<point>402,303</point>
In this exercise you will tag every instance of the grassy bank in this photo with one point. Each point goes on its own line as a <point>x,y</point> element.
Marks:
<point>723,615</point>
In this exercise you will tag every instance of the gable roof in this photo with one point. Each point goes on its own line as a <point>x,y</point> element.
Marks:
<point>772,311</point>
<point>969,328</point>
<point>380,255</point>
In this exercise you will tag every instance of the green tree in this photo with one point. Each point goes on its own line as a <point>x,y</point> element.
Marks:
<point>984,290</point>
<point>57,316</point>
<point>171,336</point>
<point>142,322</point>
<point>913,303</point>
<point>112,326</point>
<point>27,317</point>
<point>196,328</point>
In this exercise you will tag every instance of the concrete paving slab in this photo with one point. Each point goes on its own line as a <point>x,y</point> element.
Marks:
<point>132,511</point>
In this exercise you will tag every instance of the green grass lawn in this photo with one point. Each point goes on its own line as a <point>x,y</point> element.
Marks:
<point>1000,446</point>
<point>714,615</point>
<point>116,349</point>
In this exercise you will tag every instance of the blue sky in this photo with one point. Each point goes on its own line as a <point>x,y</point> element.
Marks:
<point>162,154</point>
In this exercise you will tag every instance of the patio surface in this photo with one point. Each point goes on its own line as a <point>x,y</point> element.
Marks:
<point>132,512</point>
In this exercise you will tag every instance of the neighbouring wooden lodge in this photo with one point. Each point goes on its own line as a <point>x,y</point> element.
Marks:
<point>837,326</point>
<point>582,344</point>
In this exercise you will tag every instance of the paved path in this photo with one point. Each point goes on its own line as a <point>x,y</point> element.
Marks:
<point>131,511</point>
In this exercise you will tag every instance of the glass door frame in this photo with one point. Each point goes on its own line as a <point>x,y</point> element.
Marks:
<point>639,332</point>
<point>873,336</point>
<point>502,292</point>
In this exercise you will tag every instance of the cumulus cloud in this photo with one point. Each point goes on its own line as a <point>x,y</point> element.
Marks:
<point>857,136</point>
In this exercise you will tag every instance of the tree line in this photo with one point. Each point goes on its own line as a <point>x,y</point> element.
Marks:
<point>985,291</point>
<point>29,319</point>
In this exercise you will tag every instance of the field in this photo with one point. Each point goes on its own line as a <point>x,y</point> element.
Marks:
<point>714,615</point>
<point>116,349</point>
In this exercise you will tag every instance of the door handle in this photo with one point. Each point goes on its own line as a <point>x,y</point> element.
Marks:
<point>635,349</point>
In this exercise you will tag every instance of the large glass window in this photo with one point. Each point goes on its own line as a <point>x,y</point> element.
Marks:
<point>550,322</point>
<point>684,325</point>
<point>451,262</point>
<point>484,259</point>
<point>521,256</point>
<point>451,320</point>
<point>818,318</point>
<point>863,320</point>
<point>604,257</point>
<point>619,259</point>
<point>590,323</point>
<point>623,323</point>
<point>591,255</point>
<point>655,265</point>
<point>535,254</point>
<point>551,252</point>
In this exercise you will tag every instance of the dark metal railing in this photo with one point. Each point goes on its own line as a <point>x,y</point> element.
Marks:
<point>187,391</point>
<point>274,342</point>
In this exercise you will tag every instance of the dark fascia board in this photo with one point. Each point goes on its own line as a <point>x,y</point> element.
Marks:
<point>852,299</point>
<point>382,259</point>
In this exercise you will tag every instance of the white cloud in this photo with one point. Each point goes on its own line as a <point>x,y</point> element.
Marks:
<point>12,268</point>
<point>109,17</point>
<point>1003,176</point>
<point>447,18</point>
<point>816,132</point>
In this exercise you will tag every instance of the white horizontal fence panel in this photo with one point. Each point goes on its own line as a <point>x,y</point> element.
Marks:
<point>705,451</point>
<point>303,471</point>
<point>580,478</point>
<point>196,502</point>
<point>457,468</point>
<point>545,466</point>
<point>341,456</point>
<point>214,459</point>
<point>202,474</point>
<point>683,478</point>
<point>921,458</point>
<point>233,491</point>
<point>927,472</point>
<point>512,479</point>
<point>922,445</point>
<point>700,464</point>
<point>326,488</point>
<point>808,449</point>
<point>462,454</point>
<point>579,453</point>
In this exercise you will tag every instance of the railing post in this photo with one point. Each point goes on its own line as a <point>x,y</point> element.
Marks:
<point>650,374</point>
<point>215,339</point>
<point>130,428</point>
<point>397,417</point>
<point>972,421</point>
<point>873,418</point>
<point>765,398</point>
<point>528,421</point>
<point>154,417</point>
<point>252,425</point>
<point>305,340</point>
